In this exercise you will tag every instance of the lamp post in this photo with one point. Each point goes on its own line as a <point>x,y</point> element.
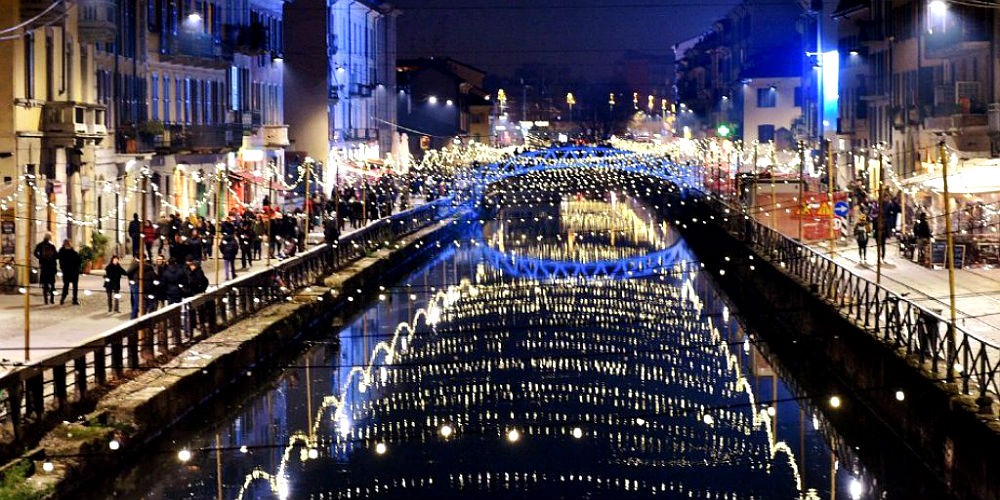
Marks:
<point>949,257</point>
<point>570,101</point>
<point>306,203</point>
<point>29,183</point>
<point>220,171</point>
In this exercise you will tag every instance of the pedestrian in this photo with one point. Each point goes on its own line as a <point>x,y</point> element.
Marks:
<point>148,286</point>
<point>46,252</point>
<point>197,282</point>
<point>69,264</point>
<point>174,281</point>
<point>861,230</point>
<point>149,235</point>
<point>195,246</point>
<point>113,273</point>
<point>135,234</point>
<point>228,248</point>
<point>331,231</point>
<point>258,236</point>
<point>922,233</point>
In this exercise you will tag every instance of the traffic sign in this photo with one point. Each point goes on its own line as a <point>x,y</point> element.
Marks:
<point>841,208</point>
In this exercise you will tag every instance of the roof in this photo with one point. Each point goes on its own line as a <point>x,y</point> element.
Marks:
<point>848,7</point>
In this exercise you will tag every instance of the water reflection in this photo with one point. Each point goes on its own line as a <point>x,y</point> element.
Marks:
<point>467,380</point>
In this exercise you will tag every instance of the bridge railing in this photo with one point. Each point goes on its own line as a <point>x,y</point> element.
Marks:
<point>61,384</point>
<point>945,349</point>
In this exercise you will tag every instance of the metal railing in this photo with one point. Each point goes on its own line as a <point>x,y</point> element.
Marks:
<point>944,349</point>
<point>51,388</point>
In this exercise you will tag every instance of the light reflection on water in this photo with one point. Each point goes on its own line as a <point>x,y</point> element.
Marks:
<point>465,381</point>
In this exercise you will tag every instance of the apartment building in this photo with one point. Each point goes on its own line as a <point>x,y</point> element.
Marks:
<point>341,79</point>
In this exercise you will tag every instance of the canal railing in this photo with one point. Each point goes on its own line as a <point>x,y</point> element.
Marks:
<point>53,387</point>
<point>946,350</point>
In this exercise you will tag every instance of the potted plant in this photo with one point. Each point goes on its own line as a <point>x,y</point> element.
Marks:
<point>86,259</point>
<point>99,243</point>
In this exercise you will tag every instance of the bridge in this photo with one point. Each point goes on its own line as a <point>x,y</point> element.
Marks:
<point>685,177</point>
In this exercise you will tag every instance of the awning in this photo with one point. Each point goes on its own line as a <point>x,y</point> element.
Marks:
<point>982,177</point>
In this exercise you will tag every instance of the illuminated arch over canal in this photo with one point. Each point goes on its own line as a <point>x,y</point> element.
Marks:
<point>590,158</point>
<point>639,266</point>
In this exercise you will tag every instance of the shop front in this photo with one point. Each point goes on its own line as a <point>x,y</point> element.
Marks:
<point>974,190</point>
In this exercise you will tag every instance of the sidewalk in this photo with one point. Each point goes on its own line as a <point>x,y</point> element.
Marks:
<point>56,328</point>
<point>977,291</point>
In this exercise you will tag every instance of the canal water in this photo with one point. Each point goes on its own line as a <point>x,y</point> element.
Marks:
<point>569,349</point>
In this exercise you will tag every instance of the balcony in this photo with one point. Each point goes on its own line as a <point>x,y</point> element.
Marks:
<point>361,90</point>
<point>73,120</point>
<point>952,116</point>
<point>361,134</point>
<point>334,93</point>
<point>276,136</point>
<point>955,42</point>
<point>97,20</point>
<point>177,138</point>
<point>250,40</point>
<point>193,49</point>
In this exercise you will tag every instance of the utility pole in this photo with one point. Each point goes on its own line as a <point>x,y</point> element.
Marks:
<point>830,176</point>
<point>950,257</point>
<point>142,244</point>
<point>218,220</point>
<point>801,200</point>
<point>29,182</point>
<point>879,218</point>
<point>305,204</point>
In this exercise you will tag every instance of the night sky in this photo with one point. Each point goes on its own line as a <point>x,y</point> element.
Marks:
<point>585,36</point>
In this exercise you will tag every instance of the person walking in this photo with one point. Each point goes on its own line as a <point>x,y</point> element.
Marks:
<point>149,285</point>
<point>46,252</point>
<point>174,282</point>
<point>228,249</point>
<point>69,264</point>
<point>149,235</point>
<point>861,230</point>
<point>113,273</point>
<point>135,234</point>
<point>922,233</point>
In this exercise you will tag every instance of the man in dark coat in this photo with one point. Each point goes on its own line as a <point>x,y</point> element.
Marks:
<point>46,252</point>
<point>69,264</point>
<point>174,281</point>
<point>135,234</point>
<point>331,231</point>
<point>197,282</point>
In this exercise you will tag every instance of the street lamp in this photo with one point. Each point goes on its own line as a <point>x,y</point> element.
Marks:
<point>570,101</point>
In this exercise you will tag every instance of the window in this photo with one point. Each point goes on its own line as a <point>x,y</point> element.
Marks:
<point>179,99</point>
<point>29,65</point>
<point>155,87</point>
<point>765,133</point>
<point>187,101</point>
<point>166,98</point>
<point>767,98</point>
<point>798,97</point>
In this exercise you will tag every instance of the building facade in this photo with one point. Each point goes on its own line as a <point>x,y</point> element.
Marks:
<point>916,73</point>
<point>441,100</point>
<point>341,86</point>
<point>52,127</point>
